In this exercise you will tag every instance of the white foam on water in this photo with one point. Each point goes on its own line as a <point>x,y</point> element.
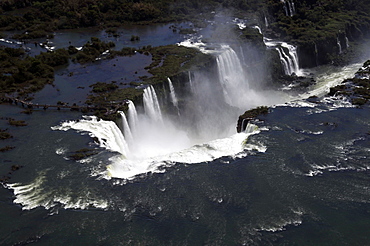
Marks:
<point>61,151</point>
<point>107,132</point>
<point>151,157</point>
<point>327,77</point>
<point>195,42</point>
<point>280,224</point>
<point>34,195</point>
<point>348,157</point>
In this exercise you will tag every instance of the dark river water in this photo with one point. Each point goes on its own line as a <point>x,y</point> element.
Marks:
<point>306,184</point>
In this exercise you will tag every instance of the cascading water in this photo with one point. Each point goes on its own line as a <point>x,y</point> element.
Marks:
<point>126,128</point>
<point>192,88</point>
<point>288,56</point>
<point>107,132</point>
<point>232,77</point>
<point>347,42</point>
<point>316,55</point>
<point>151,104</point>
<point>339,46</point>
<point>284,60</point>
<point>287,53</point>
<point>132,117</point>
<point>266,22</point>
<point>174,99</point>
<point>258,28</point>
<point>289,7</point>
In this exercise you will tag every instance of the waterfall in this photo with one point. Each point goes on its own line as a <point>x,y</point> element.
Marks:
<point>284,61</point>
<point>242,54</point>
<point>151,104</point>
<point>316,55</point>
<point>231,76</point>
<point>288,7</point>
<point>347,42</point>
<point>266,22</point>
<point>258,28</point>
<point>249,128</point>
<point>126,128</point>
<point>293,61</point>
<point>172,93</point>
<point>107,132</point>
<point>288,56</point>
<point>339,46</point>
<point>132,117</point>
<point>192,86</point>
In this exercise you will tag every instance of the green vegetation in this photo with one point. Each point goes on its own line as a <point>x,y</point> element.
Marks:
<point>253,113</point>
<point>5,135</point>
<point>38,17</point>
<point>167,61</point>
<point>25,74</point>
<point>316,19</point>
<point>91,50</point>
<point>170,60</point>
<point>14,122</point>
<point>6,148</point>
<point>103,87</point>
<point>108,99</point>
<point>135,38</point>
<point>82,154</point>
<point>317,25</point>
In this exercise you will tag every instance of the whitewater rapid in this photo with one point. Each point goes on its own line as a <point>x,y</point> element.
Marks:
<point>151,157</point>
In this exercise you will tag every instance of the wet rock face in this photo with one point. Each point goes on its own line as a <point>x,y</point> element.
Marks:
<point>320,52</point>
<point>248,116</point>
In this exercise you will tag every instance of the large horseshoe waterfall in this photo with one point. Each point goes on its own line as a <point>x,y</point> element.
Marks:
<point>166,122</point>
<point>202,130</point>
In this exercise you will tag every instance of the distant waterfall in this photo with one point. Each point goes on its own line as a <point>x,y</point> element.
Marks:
<point>151,104</point>
<point>288,7</point>
<point>258,28</point>
<point>126,128</point>
<point>192,86</point>
<point>172,93</point>
<point>231,75</point>
<point>339,46</point>
<point>266,22</point>
<point>347,42</point>
<point>316,55</point>
<point>288,56</point>
<point>132,117</point>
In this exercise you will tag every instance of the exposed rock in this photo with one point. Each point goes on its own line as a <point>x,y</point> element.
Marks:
<point>6,148</point>
<point>357,88</point>
<point>4,134</point>
<point>250,115</point>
